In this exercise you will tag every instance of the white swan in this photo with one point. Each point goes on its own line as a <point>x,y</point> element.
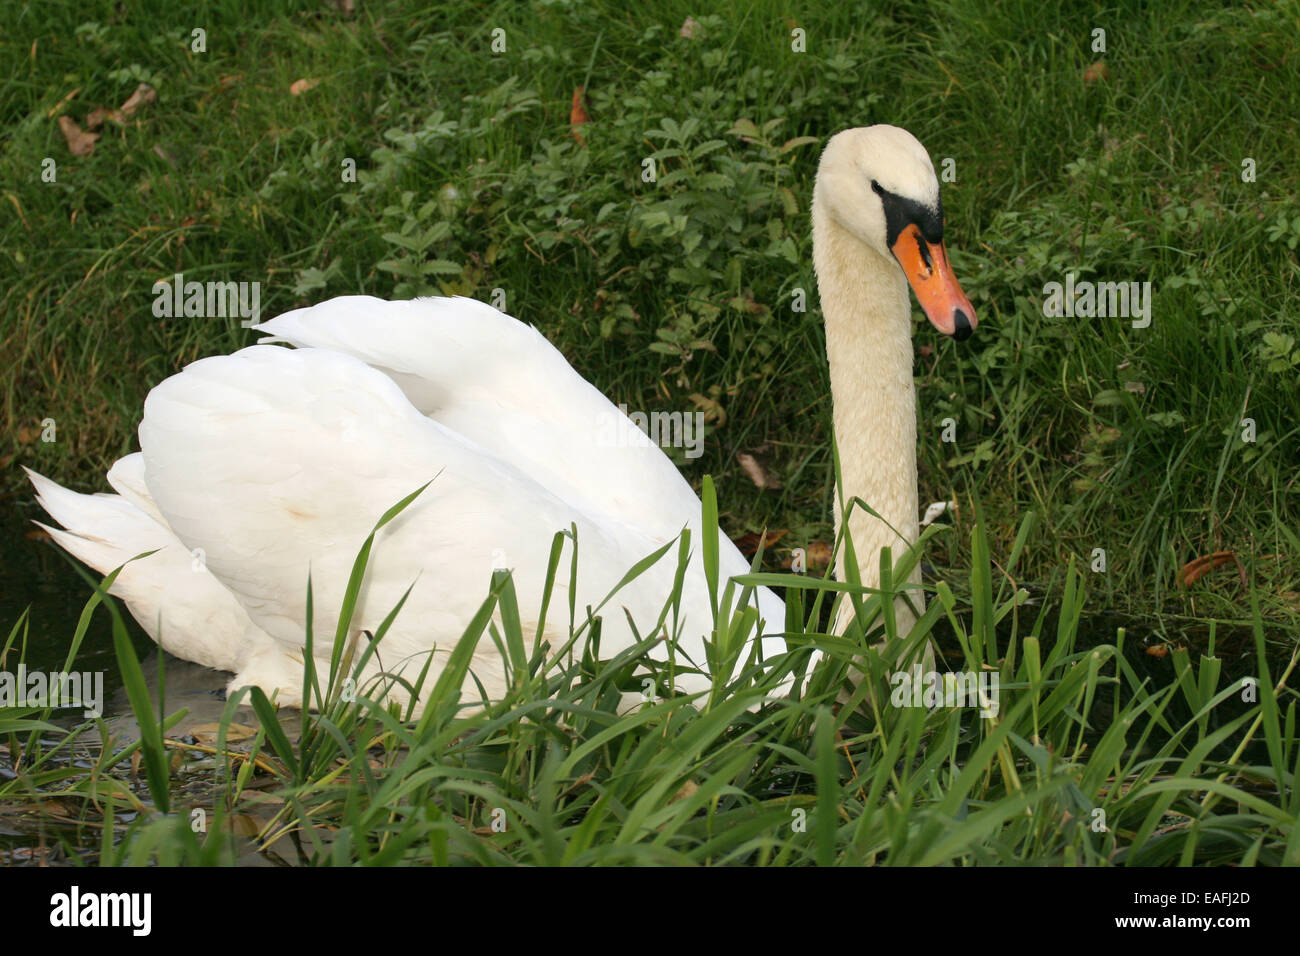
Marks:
<point>261,466</point>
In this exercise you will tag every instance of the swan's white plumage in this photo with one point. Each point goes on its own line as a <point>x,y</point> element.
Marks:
<point>262,465</point>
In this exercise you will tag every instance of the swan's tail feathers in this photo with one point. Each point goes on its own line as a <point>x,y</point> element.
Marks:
<point>127,478</point>
<point>170,593</point>
<point>103,531</point>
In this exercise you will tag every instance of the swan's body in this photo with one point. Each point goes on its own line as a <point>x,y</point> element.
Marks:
<point>260,467</point>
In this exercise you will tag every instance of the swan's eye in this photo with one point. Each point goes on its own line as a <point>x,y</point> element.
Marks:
<point>901,212</point>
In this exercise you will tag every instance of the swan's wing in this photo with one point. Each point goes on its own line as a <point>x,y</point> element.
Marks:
<point>171,593</point>
<point>501,384</point>
<point>278,462</point>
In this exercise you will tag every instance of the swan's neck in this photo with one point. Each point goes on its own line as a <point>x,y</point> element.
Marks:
<point>864,299</point>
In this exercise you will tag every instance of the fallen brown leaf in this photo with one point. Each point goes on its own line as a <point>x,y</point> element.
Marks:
<point>143,95</point>
<point>1096,72</point>
<point>1194,570</point>
<point>97,116</point>
<point>208,733</point>
<point>748,543</point>
<point>80,143</point>
<point>578,116</point>
<point>713,411</point>
<point>299,87</point>
<point>757,475</point>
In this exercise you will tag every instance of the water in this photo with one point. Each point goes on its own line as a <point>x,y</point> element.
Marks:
<point>36,576</point>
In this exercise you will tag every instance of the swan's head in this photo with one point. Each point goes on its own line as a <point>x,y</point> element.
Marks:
<point>877,183</point>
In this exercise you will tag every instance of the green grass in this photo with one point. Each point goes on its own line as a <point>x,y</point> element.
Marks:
<point>1081,761</point>
<point>678,294</point>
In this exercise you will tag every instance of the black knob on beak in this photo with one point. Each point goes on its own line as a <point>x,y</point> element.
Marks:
<point>961,329</point>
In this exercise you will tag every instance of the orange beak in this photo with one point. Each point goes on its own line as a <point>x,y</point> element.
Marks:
<point>927,269</point>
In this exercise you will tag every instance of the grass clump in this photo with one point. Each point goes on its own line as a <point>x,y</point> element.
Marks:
<point>1063,755</point>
